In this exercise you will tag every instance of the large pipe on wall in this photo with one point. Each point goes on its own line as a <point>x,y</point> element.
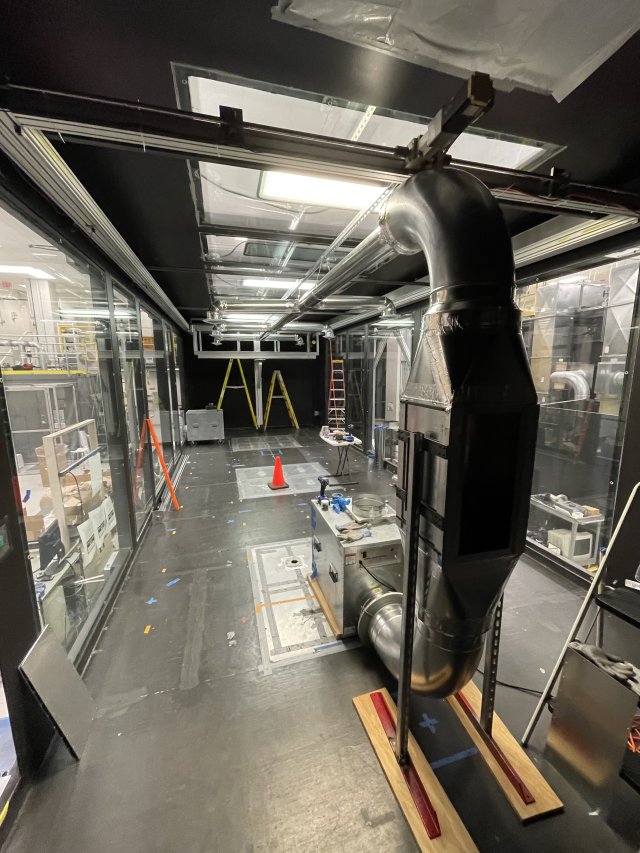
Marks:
<point>471,401</point>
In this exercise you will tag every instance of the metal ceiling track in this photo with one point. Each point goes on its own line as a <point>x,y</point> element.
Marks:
<point>149,129</point>
<point>32,152</point>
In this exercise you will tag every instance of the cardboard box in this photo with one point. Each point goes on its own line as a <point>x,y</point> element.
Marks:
<point>61,459</point>
<point>35,526</point>
<point>78,502</point>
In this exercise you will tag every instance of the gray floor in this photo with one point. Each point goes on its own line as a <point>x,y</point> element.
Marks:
<point>195,749</point>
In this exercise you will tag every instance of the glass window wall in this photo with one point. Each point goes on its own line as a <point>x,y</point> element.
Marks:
<point>81,467</point>
<point>577,332</point>
<point>157,383</point>
<point>57,367</point>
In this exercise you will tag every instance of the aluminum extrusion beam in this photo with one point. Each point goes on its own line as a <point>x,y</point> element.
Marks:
<point>253,355</point>
<point>37,158</point>
<point>191,135</point>
<point>266,235</point>
<point>330,303</point>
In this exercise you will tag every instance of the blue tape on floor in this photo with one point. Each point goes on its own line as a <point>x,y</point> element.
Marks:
<point>171,583</point>
<point>428,722</point>
<point>451,759</point>
<point>327,646</point>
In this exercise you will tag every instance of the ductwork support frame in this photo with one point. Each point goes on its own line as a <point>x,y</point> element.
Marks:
<point>411,549</point>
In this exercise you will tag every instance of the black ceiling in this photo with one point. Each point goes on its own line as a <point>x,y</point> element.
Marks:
<point>121,49</point>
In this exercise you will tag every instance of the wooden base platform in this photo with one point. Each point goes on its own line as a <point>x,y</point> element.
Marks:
<point>324,606</point>
<point>545,800</point>
<point>453,837</point>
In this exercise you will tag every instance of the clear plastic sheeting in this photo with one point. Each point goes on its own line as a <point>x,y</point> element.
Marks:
<point>549,46</point>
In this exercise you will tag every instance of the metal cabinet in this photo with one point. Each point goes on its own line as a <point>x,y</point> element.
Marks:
<point>205,425</point>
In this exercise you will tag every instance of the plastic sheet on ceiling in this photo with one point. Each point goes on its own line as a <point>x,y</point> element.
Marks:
<point>550,46</point>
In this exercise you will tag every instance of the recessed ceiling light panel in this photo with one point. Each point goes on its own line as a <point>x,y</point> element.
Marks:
<point>319,192</point>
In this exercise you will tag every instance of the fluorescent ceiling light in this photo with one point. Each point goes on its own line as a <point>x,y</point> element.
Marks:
<point>32,272</point>
<point>320,192</point>
<point>276,283</point>
<point>238,317</point>
<point>87,312</point>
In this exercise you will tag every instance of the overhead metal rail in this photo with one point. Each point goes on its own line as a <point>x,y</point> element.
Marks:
<point>267,235</point>
<point>36,157</point>
<point>233,141</point>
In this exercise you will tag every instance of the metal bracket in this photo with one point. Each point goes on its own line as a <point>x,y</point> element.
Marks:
<point>234,124</point>
<point>471,102</point>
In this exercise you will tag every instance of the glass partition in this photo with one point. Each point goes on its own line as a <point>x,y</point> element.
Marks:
<point>157,385</point>
<point>577,332</point>
<point>57,367</point>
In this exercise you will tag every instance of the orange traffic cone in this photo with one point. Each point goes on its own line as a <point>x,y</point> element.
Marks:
<point>278,481</point>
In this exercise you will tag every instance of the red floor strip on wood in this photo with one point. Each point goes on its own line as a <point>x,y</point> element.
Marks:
<point>525,794</point>
<point>414,784</point>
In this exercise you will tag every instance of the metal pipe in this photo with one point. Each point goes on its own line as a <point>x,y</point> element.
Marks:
<point>576,380</point>
<point>470,360</point>
<point>372,250</point>
<point>330,303</point>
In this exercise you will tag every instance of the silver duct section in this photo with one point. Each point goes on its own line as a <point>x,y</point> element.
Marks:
<point>576,380</point>
<point>373,250</point>
<point>469,417</point>
<point>330,303</point>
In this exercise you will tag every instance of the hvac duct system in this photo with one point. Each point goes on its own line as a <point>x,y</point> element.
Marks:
<point>468,417</point>
<point>574,379</point>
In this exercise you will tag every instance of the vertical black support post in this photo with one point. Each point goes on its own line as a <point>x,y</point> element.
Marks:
<point>414,468</point>
<point>489,681</point>
<point>123,432</point>
<point>147,449</point>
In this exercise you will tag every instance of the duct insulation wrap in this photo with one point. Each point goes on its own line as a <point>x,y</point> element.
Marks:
<point>471,400</point>
<point>551,46</point>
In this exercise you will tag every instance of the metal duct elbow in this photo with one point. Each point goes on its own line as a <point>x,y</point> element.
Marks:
<point>576,380</point>
<point>453,218</point>
<point>470,410</point>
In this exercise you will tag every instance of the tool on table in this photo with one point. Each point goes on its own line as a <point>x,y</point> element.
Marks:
<point>339,502</point>
<point>323,500</point>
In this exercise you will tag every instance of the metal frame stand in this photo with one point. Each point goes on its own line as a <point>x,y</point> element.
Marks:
<point>593,591</point>
<point>343,460</point>
<point>415,460</point>
<point>490,677</point>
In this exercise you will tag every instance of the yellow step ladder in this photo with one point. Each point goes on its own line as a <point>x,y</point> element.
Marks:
<point>225,385</point>
<point>282,396</point>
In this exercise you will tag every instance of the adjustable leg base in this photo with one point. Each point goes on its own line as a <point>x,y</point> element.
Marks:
<point>526,789</point>
<point>434,822</point>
